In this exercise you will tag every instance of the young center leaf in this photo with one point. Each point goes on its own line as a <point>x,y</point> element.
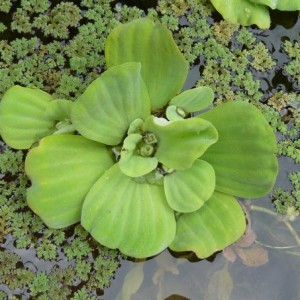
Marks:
<point>194,99</point>
<point>181,142</point>
<point>131,162</point>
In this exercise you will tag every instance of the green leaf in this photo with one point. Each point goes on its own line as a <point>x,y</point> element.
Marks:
<point>134,217</point>
<point>62,170</point>
<point>173,114</point>
<point>181,142</point>
<point>59,109</point>
<point>132,163</point>
<point>164,68</point>
<point>287,5</point>
<point>244,12</point>
<point>217,224</point>
<point>243,158</point>
<point>194,99</point>
<point>23,118</point>
<point>105,110</point>
<point>135,126</point>
<point>187,190</point>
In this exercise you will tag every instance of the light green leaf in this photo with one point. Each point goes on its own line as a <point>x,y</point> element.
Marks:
<point>287,5</point>
<point>187,190</point>
<point>23,118</point>
<point>59,109</point>
<point>243,158</point>
<point>181,142</point>
<point>132,163</point>
<point>164,68</point>
<point>172,113</point>
<point>194,99</point>
<point>244,12</point>
<point>134,217</point>
<point>105,110</point>
<point>62,169</point>
<point>135,126</point>
<point>217,224</point>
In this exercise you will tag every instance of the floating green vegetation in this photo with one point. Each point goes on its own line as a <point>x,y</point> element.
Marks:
<point>288,202</point>
<point>151,129</point>
<point>64,62</point>
<point>293,67</point>
<point>86,262</point>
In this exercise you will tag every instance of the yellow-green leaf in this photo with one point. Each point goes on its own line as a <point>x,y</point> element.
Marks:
<point>134,217</point>
<point>244,12</point>
<point>180,142</point>
<point>105,110</point>
<point>23,117</point>
<point>62,169</point>
<point>244,157</point>
<point>187,190</point>
<point>164,68</point>
<point>217,224</point>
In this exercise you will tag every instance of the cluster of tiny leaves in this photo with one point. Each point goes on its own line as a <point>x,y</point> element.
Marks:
<point>63,51</point>
<point>293,67</point>
<point>59,48</point>
<point>288,202</point>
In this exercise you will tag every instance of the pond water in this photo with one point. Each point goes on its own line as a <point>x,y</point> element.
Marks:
<point>264,265</point>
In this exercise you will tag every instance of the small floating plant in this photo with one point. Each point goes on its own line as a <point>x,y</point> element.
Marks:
<point>132,158</point>
<point>248,12</point>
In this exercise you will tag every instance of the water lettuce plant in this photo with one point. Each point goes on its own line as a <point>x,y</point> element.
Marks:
<point>248,12</point>
<point>131,161</point>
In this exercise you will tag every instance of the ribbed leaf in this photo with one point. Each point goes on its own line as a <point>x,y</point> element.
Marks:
<point>287,5</point>
<point>243,158</point>
<point>181,142</point>
<point>187,190</point>
<point>110,103</point>
<point>217,224</point>
<point>164,68</point>
<point>62,170</point>
<point>131,162</point>
<point>23,118</point>
<point>194,99</point>
<point>134,217</point>
<point>244,12</point>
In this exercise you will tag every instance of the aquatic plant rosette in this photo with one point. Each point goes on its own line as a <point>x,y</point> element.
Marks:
<point>248,12</point>
<point>130,160</point>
